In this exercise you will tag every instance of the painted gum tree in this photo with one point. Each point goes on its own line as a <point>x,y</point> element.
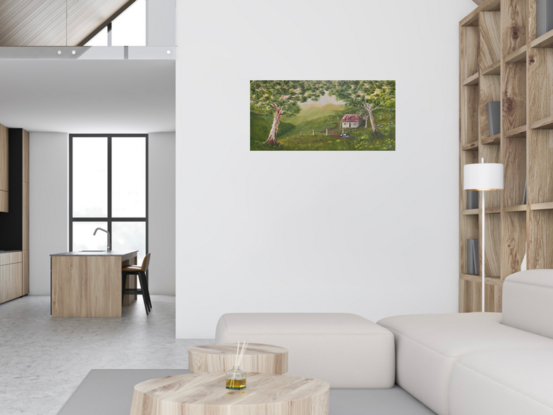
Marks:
<point>366,97</point>
<point>282,98</point>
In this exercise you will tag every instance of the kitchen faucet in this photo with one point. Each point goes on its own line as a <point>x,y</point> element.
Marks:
<point>109,237</point>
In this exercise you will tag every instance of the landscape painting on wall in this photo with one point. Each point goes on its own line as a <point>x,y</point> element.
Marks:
<point>322,115</point>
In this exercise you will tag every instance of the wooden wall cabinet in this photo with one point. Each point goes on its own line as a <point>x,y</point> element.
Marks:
<point>14,225</point>
<point>11,282</point>
<point>4,169</point>
<point>501,60</point>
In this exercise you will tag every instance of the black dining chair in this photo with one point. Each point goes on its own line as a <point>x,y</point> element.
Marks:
<point>140,271</point>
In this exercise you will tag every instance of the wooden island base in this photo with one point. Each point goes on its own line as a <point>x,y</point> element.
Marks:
<point>89,284</point>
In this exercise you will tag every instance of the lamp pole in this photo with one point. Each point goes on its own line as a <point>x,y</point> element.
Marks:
<point>483,249</point>
<point>483,177</point>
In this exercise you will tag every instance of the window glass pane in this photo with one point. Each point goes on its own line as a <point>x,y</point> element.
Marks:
<point>128,155</point>
<point>130,236</point>
<point>129,28</point>
<point>84,238</point>
<point>101,38</point>
<point>90,177</point>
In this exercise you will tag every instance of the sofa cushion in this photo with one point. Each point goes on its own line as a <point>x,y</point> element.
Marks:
<point>528,301</point>
<point>503,382</point>
<point>346,350</point>
<point>427,347</point>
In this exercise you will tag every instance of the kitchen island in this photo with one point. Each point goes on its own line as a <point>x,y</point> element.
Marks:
<point>88,284</point>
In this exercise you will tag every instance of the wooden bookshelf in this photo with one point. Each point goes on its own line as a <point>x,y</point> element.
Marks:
<point>544,124</point>
<point>517,56</point>
<point>501,60</point>
<point>519,132</point>
<point>471,146</point>
<point>545,41</point>
<point>472,80</point>
<point>494,139</point>
<point>541,206</point>
<point>493,69</point>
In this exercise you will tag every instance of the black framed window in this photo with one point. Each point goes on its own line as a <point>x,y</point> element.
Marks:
<point>108,188</point>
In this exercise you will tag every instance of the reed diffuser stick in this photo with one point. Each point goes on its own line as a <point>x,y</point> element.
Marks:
<point>239,357</point>
<point>236,378</point>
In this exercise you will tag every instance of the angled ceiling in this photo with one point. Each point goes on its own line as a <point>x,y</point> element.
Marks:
<point>55,22</point>
<point>88,96</point>
<point>479,2</point>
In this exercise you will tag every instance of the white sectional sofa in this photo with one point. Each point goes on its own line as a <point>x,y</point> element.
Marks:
<point>482,363</point>
<point>346,350</point>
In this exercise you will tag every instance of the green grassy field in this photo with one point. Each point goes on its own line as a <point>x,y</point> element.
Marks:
<point>296,133</point>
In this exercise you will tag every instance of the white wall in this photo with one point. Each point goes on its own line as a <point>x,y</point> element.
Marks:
<point>48,220</point>
<point>162,212</point>
<point>49,208</point>
<point>364,232</point>
<point>160,22</point>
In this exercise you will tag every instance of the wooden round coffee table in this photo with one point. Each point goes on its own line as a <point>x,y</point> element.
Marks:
<point>259,358</point>
<point>205,394</point>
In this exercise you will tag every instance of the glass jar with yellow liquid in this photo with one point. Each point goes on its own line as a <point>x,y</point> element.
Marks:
<point>236,379</point>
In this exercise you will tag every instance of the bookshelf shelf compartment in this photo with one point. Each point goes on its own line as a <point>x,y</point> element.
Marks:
<point>544,124</point>
<point>519,132</point>
<point>471,146</point>
<point>515,208</point>
<point>494,139</point>
<point>543,42</point>
<point>472,80</point>
<point>478,279</point>
<point>541,206</point>
<point>472,18</point>
<point>494,69</point>
<point>518,56</point>
<point>540,255</point>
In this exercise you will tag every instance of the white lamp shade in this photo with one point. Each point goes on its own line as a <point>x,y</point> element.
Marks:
<point>483,176</point>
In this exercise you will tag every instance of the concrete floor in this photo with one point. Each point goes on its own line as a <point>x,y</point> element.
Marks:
<point>43,360</point>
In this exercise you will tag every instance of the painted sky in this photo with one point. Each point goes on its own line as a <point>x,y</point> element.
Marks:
<point>325,99</point>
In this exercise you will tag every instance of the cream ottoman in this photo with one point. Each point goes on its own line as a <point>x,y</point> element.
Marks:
<point>345,350</point>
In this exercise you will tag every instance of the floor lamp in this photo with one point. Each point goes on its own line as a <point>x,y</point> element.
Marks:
<point>483,177</point>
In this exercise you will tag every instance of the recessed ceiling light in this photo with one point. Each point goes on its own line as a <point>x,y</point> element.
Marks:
<point>59,52</point>
<point>73,52</point>
<point>168,52</point>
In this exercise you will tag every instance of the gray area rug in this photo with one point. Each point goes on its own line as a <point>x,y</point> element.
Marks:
<point>109,392</point>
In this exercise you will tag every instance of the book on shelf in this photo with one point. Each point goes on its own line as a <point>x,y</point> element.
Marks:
<point>472,199</point>
<point>544,17</point>
<point>524,196</point>
<point>494,117</point>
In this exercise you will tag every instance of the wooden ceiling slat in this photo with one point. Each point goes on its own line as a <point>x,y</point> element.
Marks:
<point>32,23</point>
<point>55,22</point>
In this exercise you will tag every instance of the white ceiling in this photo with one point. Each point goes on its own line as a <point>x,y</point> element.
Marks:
<point>85,96</point>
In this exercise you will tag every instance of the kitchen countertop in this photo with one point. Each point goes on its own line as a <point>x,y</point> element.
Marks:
<point>102,253</point>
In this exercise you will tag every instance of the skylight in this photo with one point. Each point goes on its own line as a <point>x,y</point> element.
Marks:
<point>128,29</point>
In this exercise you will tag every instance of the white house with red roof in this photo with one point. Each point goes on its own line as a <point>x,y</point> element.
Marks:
<point>350,121</point>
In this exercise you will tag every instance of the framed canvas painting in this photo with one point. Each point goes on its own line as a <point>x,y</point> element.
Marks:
<point>322,115</point>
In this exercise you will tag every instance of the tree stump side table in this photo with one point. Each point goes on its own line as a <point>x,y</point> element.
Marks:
<point>205,394</point>
<point>259,358</point>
